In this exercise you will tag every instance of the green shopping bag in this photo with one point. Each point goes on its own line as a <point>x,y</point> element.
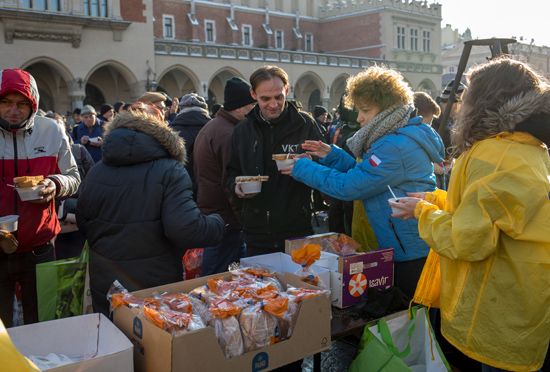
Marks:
<point>399,343</point>
<point>60,287</point>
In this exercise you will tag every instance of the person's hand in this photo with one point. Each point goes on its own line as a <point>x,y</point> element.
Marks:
<point>98,142</point>
<point>419,195</point>
<point>438,169</point>
<point>317,148</point>
<point>47,193</point>
<point>288,171</point>
<point>404,208</point>
<point>84,140</point>
<point>8,242</point>
<point>175,105</point>
<point>239,192</point>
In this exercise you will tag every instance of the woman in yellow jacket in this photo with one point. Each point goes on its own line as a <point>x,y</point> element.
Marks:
<point>492,230</point>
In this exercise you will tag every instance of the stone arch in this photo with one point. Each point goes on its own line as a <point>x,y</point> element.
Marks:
<point>54,83</point>
<point>217,82</point>
<point>110,81</point>
<point>178,80</point>
<point>429,87</point>
<point>337,89</point>
<point>310,90</point>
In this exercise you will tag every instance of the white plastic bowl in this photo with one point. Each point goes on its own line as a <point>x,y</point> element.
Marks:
<point>30,193</point>
<point>284,164</point>
<point>94,140</point>
<point>253,187</point>
<point>9,223</point>
<point>394,203</point>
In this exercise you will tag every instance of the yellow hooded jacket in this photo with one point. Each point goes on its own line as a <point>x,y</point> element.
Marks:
<point>493,235</point>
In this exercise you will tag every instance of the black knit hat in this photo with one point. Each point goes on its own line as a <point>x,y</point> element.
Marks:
<point>236,94</point>
<point>318,111</point>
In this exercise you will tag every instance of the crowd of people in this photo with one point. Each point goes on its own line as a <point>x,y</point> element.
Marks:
<point>145,181</point>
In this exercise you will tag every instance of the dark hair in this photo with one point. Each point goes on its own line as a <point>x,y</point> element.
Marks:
<point>105,108</point>
<point>267,73</point>
<point>126,106</point>
<point>77,111</point>
<point>215,108</point>
<point>117,106</point>
<point>425,105</point>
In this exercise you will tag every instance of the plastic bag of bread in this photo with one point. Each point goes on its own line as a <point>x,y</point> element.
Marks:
<point>201,309</point>
<point>221,287</point>
<point>340,244</point>
<point>305,256</point>
<point>259,328</point>
<point>295,297</point>
<point>228,333</point>
<point>203,293</point>
<point>117,296</point>
<point>174,322</point>
<point>177,301</point>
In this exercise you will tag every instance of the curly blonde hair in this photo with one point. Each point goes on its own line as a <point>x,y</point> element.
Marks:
<point>378,86</point>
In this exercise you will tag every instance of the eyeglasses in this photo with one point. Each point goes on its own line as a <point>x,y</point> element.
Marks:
<point>21,105</point>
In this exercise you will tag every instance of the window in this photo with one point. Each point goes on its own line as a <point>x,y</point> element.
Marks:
<point>414,39</point>
<point>279,39</point>
<point>210,31</point>
<point>426,41</point>
<point>247,35</point>
<point>168,26</point>
<point>96,8</point>
<point>400,37</point>
<point>309,42</point>
<point>54,5</point>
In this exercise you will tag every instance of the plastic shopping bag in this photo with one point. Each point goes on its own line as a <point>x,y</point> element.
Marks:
<point>402,342</point>
<point>60,287</point>
<point>429,284</point>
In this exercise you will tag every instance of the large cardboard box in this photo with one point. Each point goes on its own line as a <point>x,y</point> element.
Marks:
<point>158,351</point>
<point>282,263</point>
<point>351,275</point>
<point>92,338</point>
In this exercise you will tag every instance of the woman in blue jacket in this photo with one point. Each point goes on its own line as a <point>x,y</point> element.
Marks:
<point>395,150</point>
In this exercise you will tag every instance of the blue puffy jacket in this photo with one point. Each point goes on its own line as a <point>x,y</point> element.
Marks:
<point>403,160</point>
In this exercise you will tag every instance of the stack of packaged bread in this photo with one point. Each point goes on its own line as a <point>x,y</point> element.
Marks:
<point>248,310</point>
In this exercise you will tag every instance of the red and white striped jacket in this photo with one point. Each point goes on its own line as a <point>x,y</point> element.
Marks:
<point>39,147</point>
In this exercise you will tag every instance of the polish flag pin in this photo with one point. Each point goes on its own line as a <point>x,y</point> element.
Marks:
<point>374,160</point>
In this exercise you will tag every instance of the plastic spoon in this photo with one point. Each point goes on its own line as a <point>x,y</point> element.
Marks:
<point>391,191</point>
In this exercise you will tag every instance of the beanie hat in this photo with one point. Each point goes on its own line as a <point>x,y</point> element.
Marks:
<point>87,109</point>
<point>105,108</point>
<point>192,100</point>
<point>236,94</point>
<point>446,93</point>
<point>152,97</point>
<point>318,111</point>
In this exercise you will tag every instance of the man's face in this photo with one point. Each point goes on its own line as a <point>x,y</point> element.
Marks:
<point>109,114</point>
<point>77,118</point>
<point>322,118</point>
<point>270,95</point>
<point>88,120</point>
<point>15,108</point>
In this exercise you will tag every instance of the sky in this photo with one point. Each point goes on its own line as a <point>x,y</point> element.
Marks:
<point>499,18</point>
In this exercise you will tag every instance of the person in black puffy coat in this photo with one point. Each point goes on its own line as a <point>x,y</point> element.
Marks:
<point>136,208</point>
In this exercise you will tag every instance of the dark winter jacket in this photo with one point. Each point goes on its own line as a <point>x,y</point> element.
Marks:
<point>212,153</point>
<point>282,209</point>
<point>188,123</point>
<point>136,208</point>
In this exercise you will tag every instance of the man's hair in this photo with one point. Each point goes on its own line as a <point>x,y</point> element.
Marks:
<point>76,111</point>
<point>425,105</point>
<point>378,86</point>
<point>490,86</point>
<point>267,73</point>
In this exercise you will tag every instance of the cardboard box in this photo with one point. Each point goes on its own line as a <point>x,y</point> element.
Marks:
<point>351,275</point>
<point>282,263</point>
<point>158,351</point>
<point>92,338</point>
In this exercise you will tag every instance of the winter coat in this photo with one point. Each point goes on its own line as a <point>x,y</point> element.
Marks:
<point>402,160</point>
<point>40,147</point>
<point>136,209</point>
<point>282,209</point>
<point>188,123</point>
<point>96,131</point>
<point>212,153</point>
<point>493,238</point>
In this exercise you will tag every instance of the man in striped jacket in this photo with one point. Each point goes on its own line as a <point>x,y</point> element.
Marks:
<point>29,146</point>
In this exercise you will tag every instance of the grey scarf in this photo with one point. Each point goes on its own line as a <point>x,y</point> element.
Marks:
<point>388,121</point>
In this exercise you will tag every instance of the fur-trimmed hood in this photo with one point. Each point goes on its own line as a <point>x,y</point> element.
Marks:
<point>518,110</point>
<point>136,137</point>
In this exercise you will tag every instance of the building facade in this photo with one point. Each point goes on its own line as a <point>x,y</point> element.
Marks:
<point>95,51</point>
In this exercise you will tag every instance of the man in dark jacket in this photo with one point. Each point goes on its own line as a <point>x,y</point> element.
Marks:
<point>136,208</point>
<point>212,153</point>
<point>192,116</point>
<point>282,209</point>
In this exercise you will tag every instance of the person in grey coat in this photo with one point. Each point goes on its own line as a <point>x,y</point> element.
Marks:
<point>136,208</point>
